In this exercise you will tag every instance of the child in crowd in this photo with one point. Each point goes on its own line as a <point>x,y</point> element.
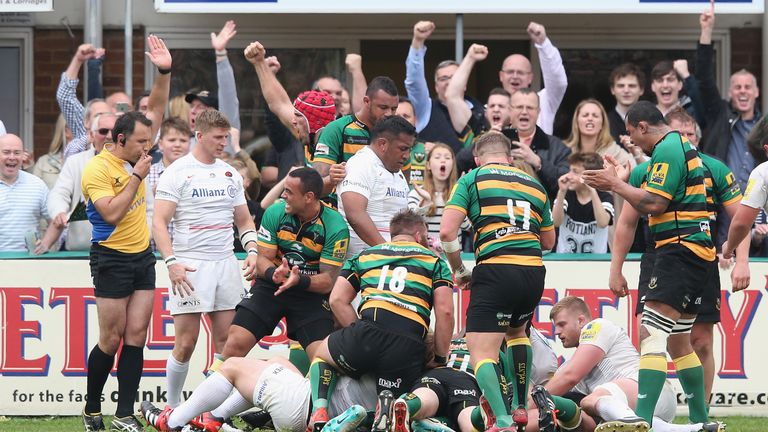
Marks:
<point>582,213</point>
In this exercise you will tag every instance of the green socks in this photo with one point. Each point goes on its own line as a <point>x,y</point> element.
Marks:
<point>494,388</point>
<point>519,357</point>
<point>322,378</point>
<point>691,376</point>
<point>653,373</point>
<point>299,358</point>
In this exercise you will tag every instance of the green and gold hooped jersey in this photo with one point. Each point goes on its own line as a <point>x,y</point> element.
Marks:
<point>323,239</point>
<point>677,173</point>
<point>508,210</point>
<point>340,140</point>
<point>458,356</point>
<point>399,277</point>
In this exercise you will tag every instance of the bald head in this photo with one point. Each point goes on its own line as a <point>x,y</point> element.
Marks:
<point>515,73</point>
<point>11,157</point>
<point>119,98</point>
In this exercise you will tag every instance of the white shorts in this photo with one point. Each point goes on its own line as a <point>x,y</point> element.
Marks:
<point>665,406</point>
<point>285,395</point>
<point>218,287</point>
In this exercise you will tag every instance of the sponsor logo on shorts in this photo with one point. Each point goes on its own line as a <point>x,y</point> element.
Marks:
<point>430,380</point>
<point>260,394</point>
<point>503,319</point>
<point>686,300</point>
<point>717,304</point>
<point>464,392</point>
<point>698,301</point>
<point>188,302</point>
<point>659,174</point>
<point>651,284</point>
<point>390,384</point>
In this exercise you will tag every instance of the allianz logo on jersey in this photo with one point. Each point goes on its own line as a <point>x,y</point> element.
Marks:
<point>396,193</point>
<point>214,192</point>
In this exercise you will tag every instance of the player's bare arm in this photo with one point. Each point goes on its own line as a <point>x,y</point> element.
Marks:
<point>321,283</point>
<point>574,370</point>
<point>443,305</point>
<point>449,229</point>
<point>341,301</point>
<point>355,206</point>
<point>177,272</point>
<point>244,223</point>
<point>740,277</point>
<point>622,242</point>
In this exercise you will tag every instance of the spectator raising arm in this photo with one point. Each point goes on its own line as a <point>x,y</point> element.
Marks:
<point>359,83</point>
<point>159,55</point>
<point>274,93</point>
<point>415,81</point>
<point>458,109</point>
<point>553,72</point>
<point>225,76</point>
<point>66,96</point>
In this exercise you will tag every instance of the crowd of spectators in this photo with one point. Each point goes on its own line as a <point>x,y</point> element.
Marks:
<point>48,210</point>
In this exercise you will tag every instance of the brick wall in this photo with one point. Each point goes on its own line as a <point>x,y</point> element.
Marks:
<point>53,50</point>
<point>746,50</point>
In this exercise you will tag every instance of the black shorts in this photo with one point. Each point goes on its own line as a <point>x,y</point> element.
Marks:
<point>367,347</point>
<point>647,260</point>
<point>118,274</point>
<point>308,315</point>
<point>455,390</point>
<point>502,296</point>
<point>709,310</point>
<point>679,278</point>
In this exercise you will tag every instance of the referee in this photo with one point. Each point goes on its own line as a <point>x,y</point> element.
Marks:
<point>122,267</point>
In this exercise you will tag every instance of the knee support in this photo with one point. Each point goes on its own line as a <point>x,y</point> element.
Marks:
<point>659,328</point>
<point>683,325</point>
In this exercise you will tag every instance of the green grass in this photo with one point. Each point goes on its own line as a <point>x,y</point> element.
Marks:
<point>71,424</point>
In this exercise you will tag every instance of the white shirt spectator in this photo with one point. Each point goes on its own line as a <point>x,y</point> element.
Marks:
<point>66,194</point>
<point>621,358</point>
<point>2,128</point>
<point>387,194</point>
<point>579,232</point>
<point>22,204</point>
<point>205,197</point>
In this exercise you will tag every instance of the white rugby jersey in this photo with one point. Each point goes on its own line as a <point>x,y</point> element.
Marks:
<point>579,232</point>
<point>756,192</point>
<point>546,362</point>
<point>387,194</point>
<point>205,197</point>
<point>621,358</point>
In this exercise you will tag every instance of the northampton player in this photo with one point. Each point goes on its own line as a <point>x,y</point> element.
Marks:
<point>399,282</point>
<point>512,218</point>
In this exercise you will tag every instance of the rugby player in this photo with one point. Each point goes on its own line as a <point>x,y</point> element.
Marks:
<point>399,282</point>
<point>512,218</point>
<point>204,196</point>
<point>374,189</point>
<point>274,386</point>
<point>675,197</point>
<point>722,191</point>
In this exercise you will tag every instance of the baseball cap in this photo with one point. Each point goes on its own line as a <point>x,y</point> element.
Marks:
<point>317,107</point>
<point>205,97</point>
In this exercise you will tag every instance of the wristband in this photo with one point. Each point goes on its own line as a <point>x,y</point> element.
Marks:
<point>248,236</point>
<point>440,359</point>
<point>253,251</point>
<point>269,273</point>
<point>304,282</point>
<point>451,246</point>
<point>163,71</point>
<point>141,179</point>
<point>222,53</point>
<point>170,260</point>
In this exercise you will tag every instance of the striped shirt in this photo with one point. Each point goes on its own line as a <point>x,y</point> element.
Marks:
<point>433,222</point>
<point>399,277</point>
<point>22,204</point>
<point>508,210</point>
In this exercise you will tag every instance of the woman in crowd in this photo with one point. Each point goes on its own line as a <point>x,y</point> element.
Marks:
<point>591,133</point>
<point>49,165</point>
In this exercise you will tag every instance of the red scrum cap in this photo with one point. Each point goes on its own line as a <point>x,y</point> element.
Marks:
<point>317,107</point>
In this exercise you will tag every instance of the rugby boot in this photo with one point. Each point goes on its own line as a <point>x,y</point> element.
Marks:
<point>628,424</point>
<point>256,419</point>
<point>156,417</point>
<point>207,422</point>
<point>382,421</point>
<point>93,422</point>
<point>713,426</point>
<point>429,425</point>
<point>400,416</point>
<point>520,418</point>
<point>489,418</point>
<point>126,424</point>
<point>318,420</point>
<point>346,421</point>
<point>546,407</point>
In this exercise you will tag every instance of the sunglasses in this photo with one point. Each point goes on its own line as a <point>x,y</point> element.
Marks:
<point>103,131</point>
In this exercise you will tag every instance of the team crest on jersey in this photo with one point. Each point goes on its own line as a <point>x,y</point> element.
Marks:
<point>419,157</point>
<point>730,178</point>
<point>228,174</point>
<point>340,249</point>
<point>589,333</point>
<point>659,174</point>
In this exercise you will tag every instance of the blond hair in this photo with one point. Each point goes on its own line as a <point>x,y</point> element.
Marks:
<point>429,184</point>
<point>571,303</point>
<point>604,138</point>
<point>179,108</point>
<point>211,119</point>
<point>59,140</point>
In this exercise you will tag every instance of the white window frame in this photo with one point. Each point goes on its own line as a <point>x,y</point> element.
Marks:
<point>22,38</point>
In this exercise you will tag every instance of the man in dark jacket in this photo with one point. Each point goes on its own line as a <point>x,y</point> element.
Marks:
<point>728,122</point>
